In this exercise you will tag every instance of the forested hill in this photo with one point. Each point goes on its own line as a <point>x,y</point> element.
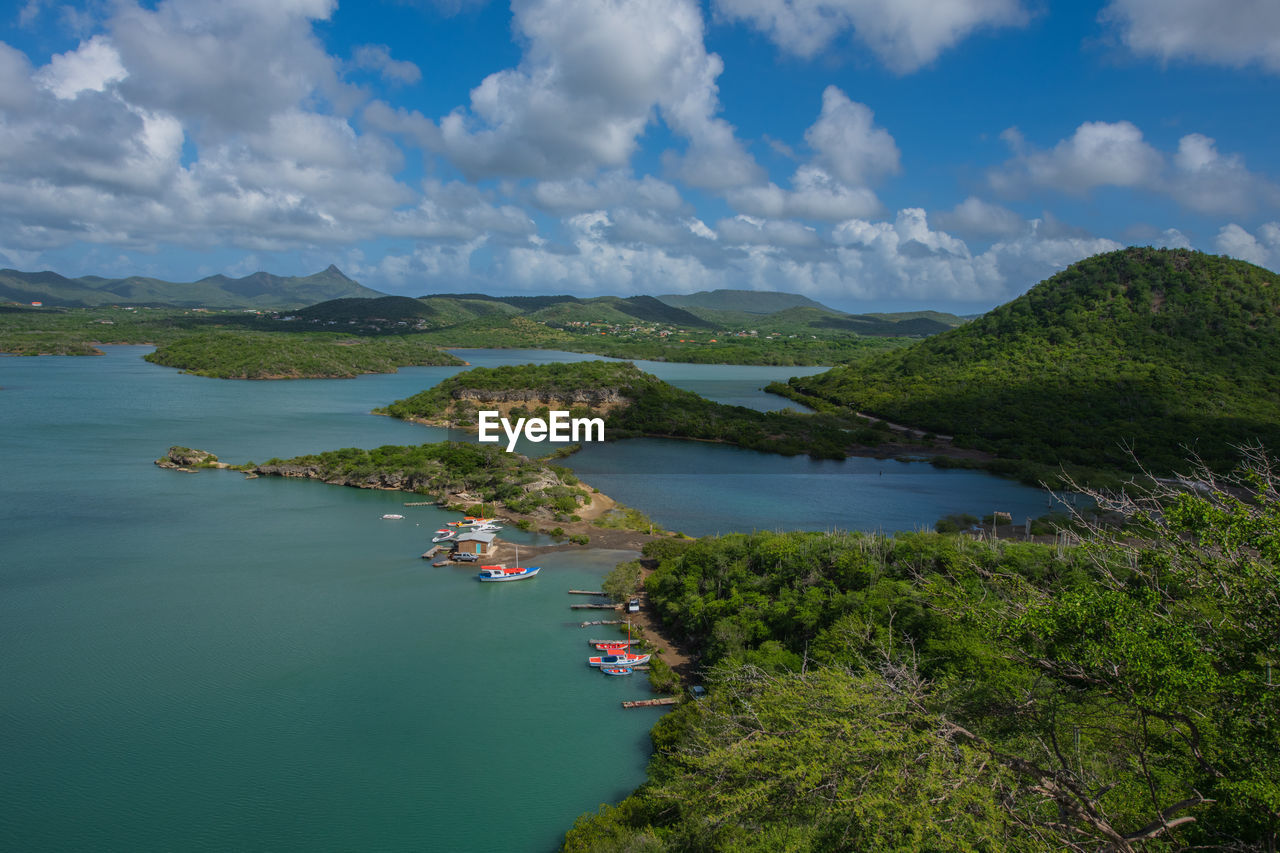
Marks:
<point>259,290</point>
<point>1158,349</point>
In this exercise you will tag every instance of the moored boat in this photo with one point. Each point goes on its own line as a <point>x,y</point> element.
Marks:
<point>502,573</point>
<point>623,659</point>
<point>392,515</point>
<point>616,670</point>
<point>443,536</point>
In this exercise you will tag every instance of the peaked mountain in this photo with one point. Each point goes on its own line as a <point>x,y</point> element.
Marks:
<point>743,301</point>
<point>1164,351</point>
<point>259,290</point>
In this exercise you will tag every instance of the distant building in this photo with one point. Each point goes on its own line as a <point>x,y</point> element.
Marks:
<point>480,544</point>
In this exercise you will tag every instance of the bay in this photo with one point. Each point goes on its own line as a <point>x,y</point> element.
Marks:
<point>207,662</point>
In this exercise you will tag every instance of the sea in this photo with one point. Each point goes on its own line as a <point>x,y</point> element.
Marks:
<point>209,662</point>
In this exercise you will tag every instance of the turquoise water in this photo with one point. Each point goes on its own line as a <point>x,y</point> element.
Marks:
<point>199,661</point>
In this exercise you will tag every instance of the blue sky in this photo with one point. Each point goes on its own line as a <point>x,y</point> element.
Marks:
<point>872,154</point>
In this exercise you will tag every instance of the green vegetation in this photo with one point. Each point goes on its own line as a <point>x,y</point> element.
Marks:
<point>1143,350</point>
<point>936,692</point>
<point>623,581</point>
<point>484,473</point>
<point>628,518</point>
<point>259,290</point>
<point>264,355</point>
<point>637,403</point>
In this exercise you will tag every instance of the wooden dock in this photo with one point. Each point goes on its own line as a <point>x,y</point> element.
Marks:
<point>593,607</point>
<point>615,642</point>
<point>649,703</point>
<point>584,592</point>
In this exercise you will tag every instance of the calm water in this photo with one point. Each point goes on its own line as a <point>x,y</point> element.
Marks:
<point>208,662</point>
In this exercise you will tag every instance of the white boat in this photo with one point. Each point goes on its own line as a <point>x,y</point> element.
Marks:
<point>443,536</point>
<point>502,573</point>
<point>392,516</point>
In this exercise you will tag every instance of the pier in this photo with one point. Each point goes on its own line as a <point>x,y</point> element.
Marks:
<point>584,592</point>
<point>649,703</point>
<point>601,622</point>
<point>593,607</point>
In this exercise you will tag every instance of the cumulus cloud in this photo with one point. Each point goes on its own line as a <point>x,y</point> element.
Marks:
<point>903,34</point>
<point>615,188</point>
<point>593,76</point>
<point>190,123</point>
<point>377,57</point>
<point>1244,32</point>
<point>1262,248</point>
<point>1106,154</point>
<point>1099,153</point>
<point>849,153</point>
<point>978,218</point>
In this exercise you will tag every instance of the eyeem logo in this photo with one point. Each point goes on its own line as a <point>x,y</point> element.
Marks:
<point>560,427</point>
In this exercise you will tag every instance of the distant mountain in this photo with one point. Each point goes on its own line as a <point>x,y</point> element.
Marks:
<point>1160,350</point>
<point>363,310</point>
<point>744,301</point>
<point>259,290</point>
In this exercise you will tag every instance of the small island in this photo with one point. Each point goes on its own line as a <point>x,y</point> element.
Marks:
<point>320,355</point>
<point>633,403</point>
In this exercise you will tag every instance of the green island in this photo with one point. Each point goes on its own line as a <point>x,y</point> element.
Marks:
<point>632,403</point>
<point>1135,357</point>
<point>475,473</point>
<point>933,692</point>
<point>265,355</point>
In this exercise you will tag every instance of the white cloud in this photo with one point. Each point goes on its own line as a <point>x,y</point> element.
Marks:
<point>593,76</point>
<point>223,67</point>
<point>903,34</point>
<point>1099,153</point>
<point>1262,248</point>
<point>377,57</point>
<point>1236,34</point>
<point>848,144</point>
<point>748,230</point>
<point>615,188</point>
<point>1103,154</point>
<point>979,218</point>
<point>849,152</point>
<point>88,68</point>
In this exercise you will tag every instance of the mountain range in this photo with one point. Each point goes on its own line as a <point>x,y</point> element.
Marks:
<point>259,290</point>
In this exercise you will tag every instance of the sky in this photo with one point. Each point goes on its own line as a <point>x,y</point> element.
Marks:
<point>871,154</point>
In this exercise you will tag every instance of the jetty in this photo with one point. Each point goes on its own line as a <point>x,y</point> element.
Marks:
<point>419,503</point>
<point>615,642</point>
<point>593,607</point>
<point>601,622</point>
<point>584,592</point>
<point>649,703</point>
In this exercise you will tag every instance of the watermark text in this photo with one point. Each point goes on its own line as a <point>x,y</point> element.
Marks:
<point>558,426</point>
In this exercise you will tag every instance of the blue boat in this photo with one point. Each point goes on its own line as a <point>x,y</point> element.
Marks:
<point>616,670</point>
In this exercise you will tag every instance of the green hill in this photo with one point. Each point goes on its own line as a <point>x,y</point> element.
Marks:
<point>744,301</point>
<point>631,402</point>
<point>1157,350</point>
<point>259,290</point>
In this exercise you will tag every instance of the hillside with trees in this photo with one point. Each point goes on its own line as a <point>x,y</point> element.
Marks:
<point>930,692</point>
<point>632,403</point>
<point>266,355</point>
<point>1156,351</point>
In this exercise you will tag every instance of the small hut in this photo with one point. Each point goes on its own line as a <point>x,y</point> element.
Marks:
<point>480,544</point>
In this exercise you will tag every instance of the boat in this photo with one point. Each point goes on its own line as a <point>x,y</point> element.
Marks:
<point>502,573</point>
<point>443,536</point>
<point>616,670</point>
<point>623,659</point>
<point>392,515</point>
<point>613,648</point>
